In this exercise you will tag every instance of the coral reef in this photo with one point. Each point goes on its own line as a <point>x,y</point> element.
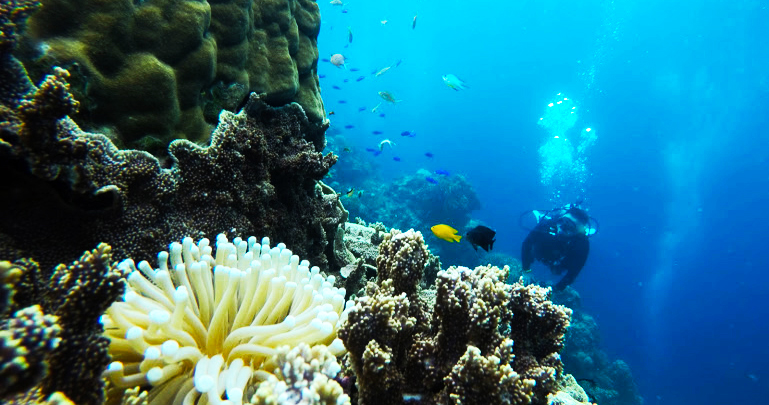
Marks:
<point>412,202</point>
<point>75,296</point>
<point>66,190</point>
<point>455,344</point>
<point>203,321</point>
<point>606,381</point>
<point>26,340</point>
<point>302,374</point>
<point>147,92</point>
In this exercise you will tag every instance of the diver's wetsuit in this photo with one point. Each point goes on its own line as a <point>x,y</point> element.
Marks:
<point>558,247</point>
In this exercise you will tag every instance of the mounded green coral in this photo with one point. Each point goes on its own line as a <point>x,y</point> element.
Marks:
<point>152,71</point>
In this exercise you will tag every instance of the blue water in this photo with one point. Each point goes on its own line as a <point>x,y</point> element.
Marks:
<point>678,94</point>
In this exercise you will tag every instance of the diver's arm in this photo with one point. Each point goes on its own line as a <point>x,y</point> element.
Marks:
<point>574,261</point>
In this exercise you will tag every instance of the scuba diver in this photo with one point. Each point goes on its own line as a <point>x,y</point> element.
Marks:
<point>560,241</point>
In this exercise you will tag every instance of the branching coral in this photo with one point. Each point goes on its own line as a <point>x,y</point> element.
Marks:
<point>482,380</point>
<point>402,258</point>
<point>300,375</point>
<point>202,321</point>
<point>76,294</point>
<point>25,341</point>
<point>457,346</point>
<point>377,334</point>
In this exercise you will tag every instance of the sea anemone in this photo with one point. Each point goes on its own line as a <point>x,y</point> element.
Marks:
<point>197,330</point>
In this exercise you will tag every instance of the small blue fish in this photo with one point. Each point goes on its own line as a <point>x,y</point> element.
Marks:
<point>429,155</point>
<point>371,150</point>
<point>354,69</point>
<point>361,109</point>
<point>377,153</point>
<point>342,102</point>
<point>410,134</point>
<point>346,80</point>
<point>431,180</point>
<point>397,159</point>
<point>336,87</point>
<point>344,11</point>
<point>398,63</point>
<point>360,78</point>
<point>322,76</point>
<point>325,60</point>
<point>442,172</point>
<point>382,115</point>
<point>373,72</point>
<point>377,132</point>
<point>351,127</point>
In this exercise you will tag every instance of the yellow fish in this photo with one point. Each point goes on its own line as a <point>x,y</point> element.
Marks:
<point>446,233</point>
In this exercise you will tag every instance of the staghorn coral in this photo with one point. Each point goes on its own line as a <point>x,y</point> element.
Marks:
<point>458,347</point>
<point>303,375</point>
<point>200,323</point>
<point>68,190</point>
<point>212,56</point>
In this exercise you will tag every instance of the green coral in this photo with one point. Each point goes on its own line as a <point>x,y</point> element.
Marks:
<point>152,71</point>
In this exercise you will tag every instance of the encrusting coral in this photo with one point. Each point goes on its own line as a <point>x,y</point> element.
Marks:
<point>203,321</point>
<point>457,349</point>
<point>65,190</point>
<point>86,191</point>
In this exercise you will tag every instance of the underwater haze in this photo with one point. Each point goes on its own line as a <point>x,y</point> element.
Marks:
<point>674,167</point>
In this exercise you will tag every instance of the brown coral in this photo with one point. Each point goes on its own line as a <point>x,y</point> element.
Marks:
<point>78,294</point>
<point>26,340</point>
<point>458,349</point>
<point>69,190</point>
<point>211,57</point>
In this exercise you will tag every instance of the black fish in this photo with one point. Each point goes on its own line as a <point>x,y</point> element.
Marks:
<point>481,236</point>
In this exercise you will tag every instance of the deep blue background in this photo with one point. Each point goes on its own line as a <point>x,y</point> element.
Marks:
<point>678,93</point>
